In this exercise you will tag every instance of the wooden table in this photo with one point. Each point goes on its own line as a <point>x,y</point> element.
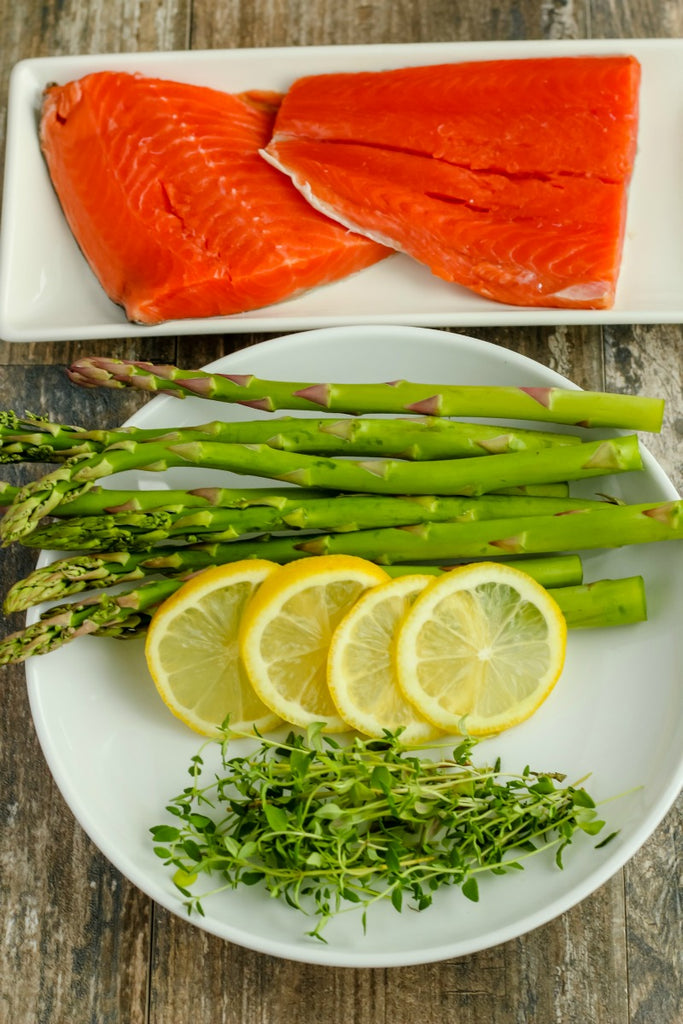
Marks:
<point>78,942</point>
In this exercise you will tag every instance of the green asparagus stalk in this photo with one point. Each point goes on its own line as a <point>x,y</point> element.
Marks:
<point>135,531</point>
<point>120,615</point>
<point>8,493</point>
<point>614,526</point>
<point>552,571</point>
<point>468,477</point>
<point>110,501</point>
<point>78,573</point>
<point>611,527</point>
<point>557,405</point>
<point>31,439</point>
<point>555,490</point>
<point>105,500</point>
<point>618,602</point>
<point>124,615</point>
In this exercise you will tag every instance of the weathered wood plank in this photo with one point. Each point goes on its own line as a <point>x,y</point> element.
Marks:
<point>558,972</point>
<point>576,353</point>
<point>635,19</point>
<point>301,23</point>
<point>55,27</point>
<point>63,353</point>
<point>650,360</point>
<point>75,935</point>
<point>653,924</point>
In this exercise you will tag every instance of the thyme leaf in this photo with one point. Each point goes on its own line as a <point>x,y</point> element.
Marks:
<point>322,824</point>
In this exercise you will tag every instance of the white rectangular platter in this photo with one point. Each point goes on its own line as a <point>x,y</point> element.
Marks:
<point>48,293</point>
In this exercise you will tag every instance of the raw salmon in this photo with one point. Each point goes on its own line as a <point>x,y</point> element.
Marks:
<point>166,194</point>
<point>507,177</point>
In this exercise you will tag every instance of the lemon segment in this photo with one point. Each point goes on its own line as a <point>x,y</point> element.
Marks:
<point>286,632</point>
<point>361,674</point>
<point>484,643</point>
<point>192,650</point>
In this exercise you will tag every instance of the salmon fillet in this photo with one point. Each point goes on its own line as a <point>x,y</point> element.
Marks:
<point>177,214</point>
<point>507,177</point>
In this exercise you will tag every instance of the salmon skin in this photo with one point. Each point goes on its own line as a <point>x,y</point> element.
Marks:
<point>507,177</point>
<point>177,214</point>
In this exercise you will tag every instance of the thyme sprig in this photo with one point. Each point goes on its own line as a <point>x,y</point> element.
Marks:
<point>322,824</point>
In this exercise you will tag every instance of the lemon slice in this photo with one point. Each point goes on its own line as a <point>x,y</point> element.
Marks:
<point>286,633</point>
<point>484,641</point>
<point>193,654</point>
<point>361,676</point>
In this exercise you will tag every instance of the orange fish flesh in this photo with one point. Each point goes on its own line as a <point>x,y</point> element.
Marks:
<point>507,177</point>
<point>175,211</point>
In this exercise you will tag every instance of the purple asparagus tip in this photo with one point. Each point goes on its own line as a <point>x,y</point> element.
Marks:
<point>88,374</point>
<point>319,394</point>
<point>508,544</point>
<point>662,513</point>
<point>540,395</point>
<point>427,407</point>
<point>98,371</point>
<point>242,380</point>
<point>209,494</point>
<point>200,386</point>
<point>263,404</point>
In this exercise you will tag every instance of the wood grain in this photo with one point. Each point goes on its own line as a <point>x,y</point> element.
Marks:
<point>653,921</point>
<point>557,972</point>
<point>78,943</point>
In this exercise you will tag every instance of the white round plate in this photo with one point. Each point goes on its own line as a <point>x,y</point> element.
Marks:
<point>118,755</point>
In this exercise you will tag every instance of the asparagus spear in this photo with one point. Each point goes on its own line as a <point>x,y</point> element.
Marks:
<point>554,490</point>
<point>472,476</point>
<point>135,531</point>
<point>31,439</point>
<point>557,405</point>
<point>109,501</point>
<point>77,573</point>
<point>551,571</point>
<point>618,602</point>
<point>613,526</point>
<point>605,602</point>
<point>105,500</point>
<point>120,615</point>
<point>8,493</point>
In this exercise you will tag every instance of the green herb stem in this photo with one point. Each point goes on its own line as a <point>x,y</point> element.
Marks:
<point>323,825</point>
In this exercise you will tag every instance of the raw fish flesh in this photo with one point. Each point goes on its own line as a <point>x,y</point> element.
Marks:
<point>507,177</point>
<point>166,194</point>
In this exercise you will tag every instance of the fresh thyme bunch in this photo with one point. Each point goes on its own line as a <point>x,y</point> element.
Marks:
<point>321,823</point>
